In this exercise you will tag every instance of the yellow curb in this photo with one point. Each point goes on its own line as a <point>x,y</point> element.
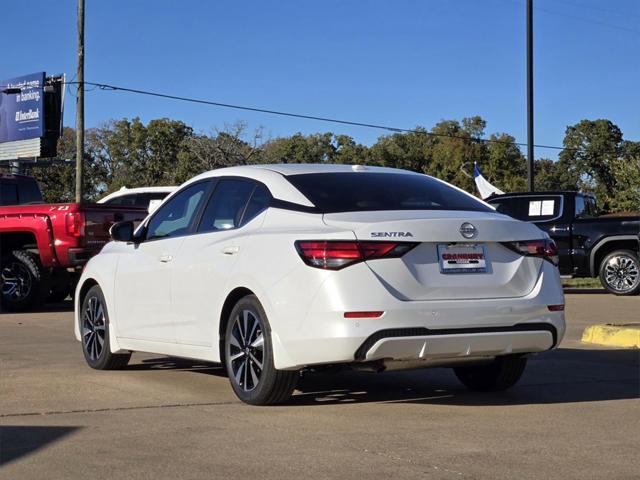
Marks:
<point>613,335</point>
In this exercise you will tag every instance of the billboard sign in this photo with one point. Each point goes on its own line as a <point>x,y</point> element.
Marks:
<point>22,114</point>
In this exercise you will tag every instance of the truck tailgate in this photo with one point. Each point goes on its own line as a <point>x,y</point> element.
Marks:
<point>98,219</point>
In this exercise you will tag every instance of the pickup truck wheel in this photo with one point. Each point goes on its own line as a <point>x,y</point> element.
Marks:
<point>502,373</point>
<point>249,357</point>
<point>24,282</point>
<point>620,273</point>
<point>94,330</point>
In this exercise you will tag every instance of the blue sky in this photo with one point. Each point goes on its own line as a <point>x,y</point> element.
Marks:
<point>401,63</point>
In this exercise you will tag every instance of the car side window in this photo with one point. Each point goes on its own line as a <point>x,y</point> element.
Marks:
<point>226,206</point>
<point>580,207</point>
<point>585,207</point>
<point>176,216</point>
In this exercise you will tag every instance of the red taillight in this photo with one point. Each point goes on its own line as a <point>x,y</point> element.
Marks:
<point>74,223</point>
<point>337,254</point>
<point>545,248</point>
<point>362,314</point>
<point>556,308</point>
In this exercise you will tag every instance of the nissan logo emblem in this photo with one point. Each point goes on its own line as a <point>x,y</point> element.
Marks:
<point>467,230</point>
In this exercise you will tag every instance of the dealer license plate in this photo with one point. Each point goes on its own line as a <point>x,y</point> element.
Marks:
<point>462,258</point>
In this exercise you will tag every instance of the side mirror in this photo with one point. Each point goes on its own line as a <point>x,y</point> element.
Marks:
<point>122,231</point>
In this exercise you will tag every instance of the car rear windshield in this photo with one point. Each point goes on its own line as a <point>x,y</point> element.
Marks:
<point>358,191</point>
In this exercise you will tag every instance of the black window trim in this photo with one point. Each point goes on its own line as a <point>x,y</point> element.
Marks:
<point>295,207</point>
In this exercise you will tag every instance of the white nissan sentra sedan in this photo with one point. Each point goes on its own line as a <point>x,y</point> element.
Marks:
<point>271,269</point>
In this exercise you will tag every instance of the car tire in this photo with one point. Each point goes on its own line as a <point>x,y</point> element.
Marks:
<point>502,373</point>
<point>25,284</point>
<point>620,273</point>
<point>248,357</point>
<point>94,333</point>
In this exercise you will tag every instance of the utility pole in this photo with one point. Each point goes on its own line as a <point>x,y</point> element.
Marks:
<point>530,166</point>
<point>80,103</point>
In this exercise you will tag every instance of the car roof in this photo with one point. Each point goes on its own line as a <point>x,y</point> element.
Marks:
<point>124,190</point>
<point>287,169</point>
<point>132,191</point>
<point>304,168</point>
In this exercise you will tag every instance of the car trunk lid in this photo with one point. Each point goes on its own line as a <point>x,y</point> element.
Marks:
<point>445,265</point>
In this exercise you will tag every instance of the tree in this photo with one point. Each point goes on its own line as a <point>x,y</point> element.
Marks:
<point>592,147</point>
<point>411,151</point>
<point>597,159</point>
<point>224,148</point>
<point>162,152</point>
<point>136,155</point>
<point>57,179</point>
<point>626,171</point>
<point>505,166</point>
<point>456,147</point>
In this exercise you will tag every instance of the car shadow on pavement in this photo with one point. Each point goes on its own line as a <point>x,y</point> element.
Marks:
<point>564,375</point>
<point>561,376</point>
<point>589,291</point>
<point>64,306</point>
<point>173,363</point>
<point>18,441</point>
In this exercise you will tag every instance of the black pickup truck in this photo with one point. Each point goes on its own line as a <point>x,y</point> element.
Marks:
<point>589,244</point>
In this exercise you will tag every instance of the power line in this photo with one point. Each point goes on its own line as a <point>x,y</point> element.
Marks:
<point>598,9</point>
<point>109,87</point>
<point>388,128</point>
<point>581,19</point>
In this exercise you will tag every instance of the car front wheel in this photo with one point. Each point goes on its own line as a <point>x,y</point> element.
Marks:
<point>248,355</point>
<point>502,373</point>
<point>94,329</point>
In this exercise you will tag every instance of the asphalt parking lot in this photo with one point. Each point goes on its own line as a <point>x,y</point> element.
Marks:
<point>574,415</point>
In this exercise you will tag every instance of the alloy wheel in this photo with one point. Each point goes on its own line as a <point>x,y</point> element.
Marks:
<point>93,328</point>
<point>246,350</point>
<point>622,273</point>
<point>16,282</point>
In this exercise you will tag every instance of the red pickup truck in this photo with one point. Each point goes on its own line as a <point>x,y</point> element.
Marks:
<point>44,246</point>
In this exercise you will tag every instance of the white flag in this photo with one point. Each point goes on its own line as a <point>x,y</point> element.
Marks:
<point>484,187</point>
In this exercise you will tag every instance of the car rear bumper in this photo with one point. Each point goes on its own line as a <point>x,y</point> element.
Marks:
<point>413,342</point>
<point>314,330</point>
<point>419,343</point>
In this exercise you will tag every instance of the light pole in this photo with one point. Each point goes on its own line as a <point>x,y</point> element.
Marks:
<point>80,103</point>
<point>530,166</point>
